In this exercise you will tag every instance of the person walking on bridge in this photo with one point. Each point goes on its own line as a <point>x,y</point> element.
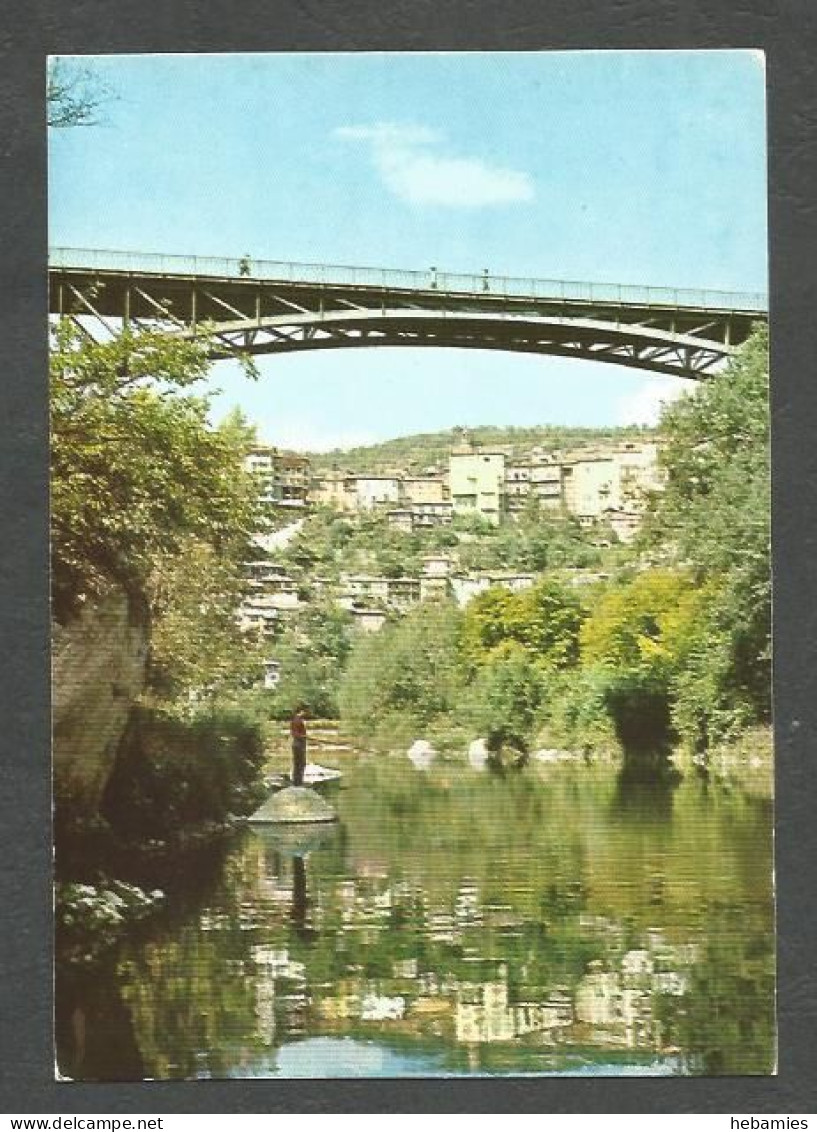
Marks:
<point>297,731</point>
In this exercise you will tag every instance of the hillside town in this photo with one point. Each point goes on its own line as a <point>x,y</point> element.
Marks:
<point>605,481</point>
<point>604,485</point>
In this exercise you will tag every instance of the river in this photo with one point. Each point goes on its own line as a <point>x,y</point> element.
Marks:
<point>564,919</point>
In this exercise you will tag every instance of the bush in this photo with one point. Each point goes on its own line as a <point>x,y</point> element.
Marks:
<point>172,774</point>
<point>502,703</point>
<point>576,714</point>
<point>406,676</point>
<point>724,685</point>
<point>544,619</point>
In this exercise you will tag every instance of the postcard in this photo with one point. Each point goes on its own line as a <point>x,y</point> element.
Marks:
<point>410,562</point>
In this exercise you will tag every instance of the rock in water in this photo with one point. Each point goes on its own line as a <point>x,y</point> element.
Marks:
<point>294,804</point>
<point>421,754</point>
<point>478,754</point>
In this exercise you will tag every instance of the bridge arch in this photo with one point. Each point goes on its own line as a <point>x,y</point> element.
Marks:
<point>270,308</point>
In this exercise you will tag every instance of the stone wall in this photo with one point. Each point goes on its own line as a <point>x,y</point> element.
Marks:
<point>98,669</point>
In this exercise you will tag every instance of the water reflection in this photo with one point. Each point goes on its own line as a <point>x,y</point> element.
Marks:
<point>563,920</point>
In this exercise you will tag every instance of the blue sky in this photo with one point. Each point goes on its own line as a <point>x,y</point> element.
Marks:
<point>632,167</point>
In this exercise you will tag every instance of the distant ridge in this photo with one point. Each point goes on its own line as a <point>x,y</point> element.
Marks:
<point>420,450</point>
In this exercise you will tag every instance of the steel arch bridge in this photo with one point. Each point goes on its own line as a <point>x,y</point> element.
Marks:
<point>263,307</point>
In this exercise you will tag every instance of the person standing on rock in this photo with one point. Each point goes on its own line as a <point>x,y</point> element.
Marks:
<point>297,731</point>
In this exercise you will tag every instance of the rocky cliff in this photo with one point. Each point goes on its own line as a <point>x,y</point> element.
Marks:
<point>98,663</point>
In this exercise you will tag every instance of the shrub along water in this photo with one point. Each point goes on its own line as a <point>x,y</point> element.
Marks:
<point>675,646</point>
<point>406,678</point>
<point>147,495</point>
<point>176,775</point>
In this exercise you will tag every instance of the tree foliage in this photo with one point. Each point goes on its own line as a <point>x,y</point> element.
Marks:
<point>74,95</point>
<point>137,470</point>
<point>643,625</point>
<point>312,653</point>
<point>502,702</point>
<point>198,648</point>
<point>714,511</point>
<point>538,539</point>
<point>545,619</point>
<point>714,516</point>
<point>408,672</point>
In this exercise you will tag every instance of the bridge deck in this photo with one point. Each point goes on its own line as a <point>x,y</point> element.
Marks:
<point>430,282</point>
<point>262,307</point>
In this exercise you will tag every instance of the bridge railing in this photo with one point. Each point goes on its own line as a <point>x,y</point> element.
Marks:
<point>388,278</point>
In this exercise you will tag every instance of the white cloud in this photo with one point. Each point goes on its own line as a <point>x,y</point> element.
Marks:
<point>644,406</point>
<point>411,166</point>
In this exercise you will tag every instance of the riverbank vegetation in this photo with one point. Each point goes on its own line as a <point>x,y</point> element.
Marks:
<point>672,647</point>
<point>665,643</point>
<point>150,500</point>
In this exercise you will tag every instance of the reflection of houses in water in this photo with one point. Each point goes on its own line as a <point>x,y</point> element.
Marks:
<point>617,1014</point>
<point>485,1014</point>
<point>271,966</point>
<point>382,1008</point>
<point>361,1000</point>
<point>441,928</point>
<point>265,1008</point>
<point>614,1004</point>
<point>619,1004</point>
<point>405,968</point>
<point>468,908</point>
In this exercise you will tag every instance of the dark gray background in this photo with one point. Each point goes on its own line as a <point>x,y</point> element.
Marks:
<point>786,31</point>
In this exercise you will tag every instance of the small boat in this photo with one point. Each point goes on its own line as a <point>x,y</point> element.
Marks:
<point>317,775</point>
<point>314,775</point>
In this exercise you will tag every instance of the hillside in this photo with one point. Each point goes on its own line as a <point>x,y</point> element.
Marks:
<point>416,452</point>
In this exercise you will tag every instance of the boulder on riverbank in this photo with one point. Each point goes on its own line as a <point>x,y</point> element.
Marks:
<point>478,754</point>
<point>99,660</point>
<point>294,805</point>
<point>421,754</point>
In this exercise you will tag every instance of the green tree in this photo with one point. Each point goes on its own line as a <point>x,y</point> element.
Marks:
<point>406,675</point>
<point>312,653</point>
<point>487,622</point>
<point>198,648</point>
<point>714,517</point>
<point>714,510</point>
<point>544,619</point>
<point>136,468</point>
<point>502,702</point>
<point>644,625</point>
<point>633,646</point>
